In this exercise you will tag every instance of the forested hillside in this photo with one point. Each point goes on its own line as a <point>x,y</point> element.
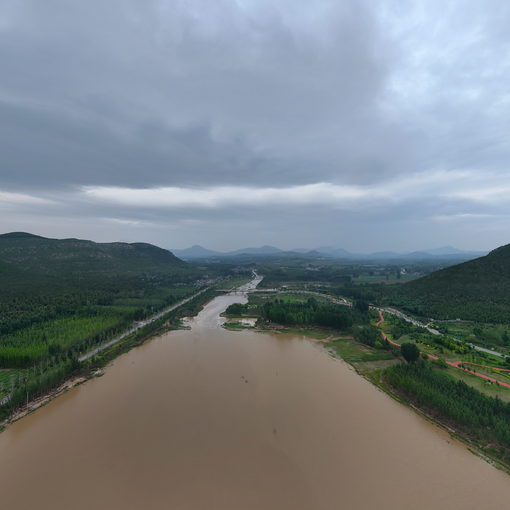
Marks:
<point>62,297</point>
<point>477,290</point>
<point>73,257</point>
<point>58,294</point>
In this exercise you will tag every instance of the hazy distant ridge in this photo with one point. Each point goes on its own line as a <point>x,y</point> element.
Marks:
<point>449,252</point>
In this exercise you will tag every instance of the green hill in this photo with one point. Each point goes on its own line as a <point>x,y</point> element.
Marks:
<point>478,290</point>
<point>45,278</point>
<point>76,256</point>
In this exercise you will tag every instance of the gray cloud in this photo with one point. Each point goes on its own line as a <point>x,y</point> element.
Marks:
<point>400,112</point>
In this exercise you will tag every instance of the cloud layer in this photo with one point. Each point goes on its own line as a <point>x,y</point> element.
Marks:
<point>306,122</point>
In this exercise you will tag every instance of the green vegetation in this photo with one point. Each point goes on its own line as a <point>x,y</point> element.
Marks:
<point>486,387</point>
<point>25,347</point>
<point>353,352</point>
<point>236,309</point>
<point>475,290</point>
<point>60,298</point>
<point>26,384</point>
<point>369,335</point>
<point>488,335</point>
<point>8,380</point>
<point>338,277</point>
<point>452,396</point>
<point>310,312</point>
<point>410,352</point>
<point>236,325</point>
<point>45,279</point>
<point>480,416</point>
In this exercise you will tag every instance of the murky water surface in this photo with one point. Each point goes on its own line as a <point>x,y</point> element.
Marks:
<point>216,419</point>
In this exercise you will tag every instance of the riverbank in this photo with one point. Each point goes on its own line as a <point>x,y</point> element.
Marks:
<point>372,364</point>
<point>358,357</point>
<point>93,365</point>
<point>210,418</point>
<point>375,356</point>
<point>38,402</point>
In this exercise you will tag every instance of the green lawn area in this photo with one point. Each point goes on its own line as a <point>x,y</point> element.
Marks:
<point>236,325</point>
<point>478,383</point>
<point>352,351</point>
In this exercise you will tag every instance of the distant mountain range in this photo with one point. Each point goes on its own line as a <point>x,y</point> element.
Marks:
<point>444,252</point>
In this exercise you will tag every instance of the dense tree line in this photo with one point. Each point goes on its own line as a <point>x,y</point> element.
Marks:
<point>275,276</point>
<point>309,312</point>
<point>483,416</point>
<point>26,347</point>
<point>24,303</point>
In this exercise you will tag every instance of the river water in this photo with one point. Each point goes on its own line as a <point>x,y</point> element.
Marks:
<point>213,419</point>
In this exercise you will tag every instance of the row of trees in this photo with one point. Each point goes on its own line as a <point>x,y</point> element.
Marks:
<point>31,345</point>
<point>482,416</point>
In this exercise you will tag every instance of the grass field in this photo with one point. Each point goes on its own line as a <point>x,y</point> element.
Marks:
<point>352,351</point>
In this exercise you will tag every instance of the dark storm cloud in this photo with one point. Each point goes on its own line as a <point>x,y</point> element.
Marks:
<point>175,121</point>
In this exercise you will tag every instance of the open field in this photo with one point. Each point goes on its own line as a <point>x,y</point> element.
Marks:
<point>486,387</point>
<point>354,352</point>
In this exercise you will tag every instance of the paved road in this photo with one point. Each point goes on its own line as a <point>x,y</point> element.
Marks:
<point>403,316</point>
<point>248,287</point>
<point>137,326</point>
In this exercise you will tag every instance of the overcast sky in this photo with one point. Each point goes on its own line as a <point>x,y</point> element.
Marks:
<point>370,125</point>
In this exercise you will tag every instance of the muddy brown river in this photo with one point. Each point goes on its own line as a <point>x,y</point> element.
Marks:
<point>214,419</point>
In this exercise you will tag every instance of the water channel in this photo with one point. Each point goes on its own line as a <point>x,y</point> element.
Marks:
<point>213,419</point>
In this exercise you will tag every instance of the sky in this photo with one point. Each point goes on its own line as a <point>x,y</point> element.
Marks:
<point>363,124</point>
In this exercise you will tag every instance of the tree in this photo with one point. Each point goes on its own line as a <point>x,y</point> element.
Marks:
<point>410,352</point>
<point>361,305</point>
<point>367,335</point>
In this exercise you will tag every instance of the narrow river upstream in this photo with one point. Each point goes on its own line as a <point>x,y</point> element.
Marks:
<point>213,419</point>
